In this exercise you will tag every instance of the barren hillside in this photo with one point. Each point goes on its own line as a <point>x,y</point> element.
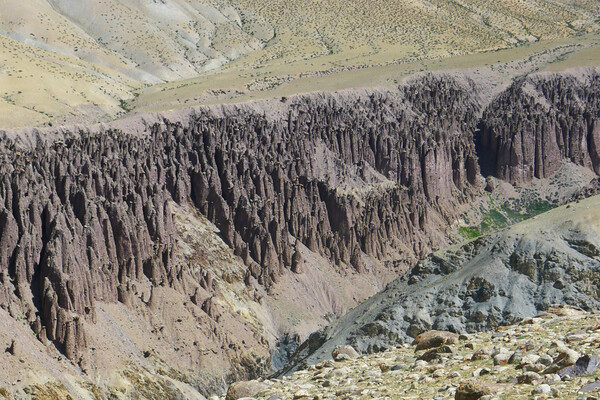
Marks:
<point>85,61</point>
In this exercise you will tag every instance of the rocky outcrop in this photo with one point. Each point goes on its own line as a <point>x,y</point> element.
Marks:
<point>364,179</point>
<point>86,216</point>
<point>538,122</point>
<point>492,281</point>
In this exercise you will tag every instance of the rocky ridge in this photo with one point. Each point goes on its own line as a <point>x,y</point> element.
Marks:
<point>364,182</point>
<point>555,118</point>
<point>88,217</point>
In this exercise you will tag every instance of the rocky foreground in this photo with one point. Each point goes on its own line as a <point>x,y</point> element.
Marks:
<point>553,355</point>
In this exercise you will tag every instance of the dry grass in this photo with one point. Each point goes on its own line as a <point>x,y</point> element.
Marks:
<point>59,65</point>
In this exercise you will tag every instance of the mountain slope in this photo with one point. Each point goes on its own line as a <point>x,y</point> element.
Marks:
<point>219,236</point>
<point>67,60</point>
<point>494,280</point>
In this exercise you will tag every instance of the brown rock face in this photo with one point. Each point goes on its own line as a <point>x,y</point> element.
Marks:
<point>537,123</point>
<point>84,216</point>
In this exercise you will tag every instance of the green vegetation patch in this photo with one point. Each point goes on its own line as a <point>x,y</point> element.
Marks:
<point>499,216</point>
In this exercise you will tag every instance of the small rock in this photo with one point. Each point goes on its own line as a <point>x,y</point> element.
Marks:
<point>301,394</point>
<point>242,389</point>
<point>384,367</point>
<point>590,387</point>
<point>481,372</point>
<point>537,367</point>
<point>434,354</point>
<point>545,359</point>
<point>566,357</point>
<point>542,389</point>
<point>501,358</point>
<point>12,348</point>
<point>474,390</point>
<point>575,337</point>
<point>344,352</point>
<point>529,377</point>
<point>433,339</point>
<point>552,378</point>
<point>529,359</point>
<point>482,354</point>
<point>563,310</point>
<point>516,357</point>
<point>346,391</point>
<point>438,373</point>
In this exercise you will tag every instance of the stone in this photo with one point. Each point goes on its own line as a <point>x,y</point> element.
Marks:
<point>384,367</point>
<point>590,387</point>
<point>542,389</point>
<point>344,352</point>
<point>537,367</point>
<point>481,354</point>
<point>301,394</point>
<point>501,358</point>
<point>433,339</point>
<point>529,359</point>
<point>587,364</point>
<point>474,390</point>
<point>552,378</point>
<point>529,378</point>
<point>12,348</point>
<point>566,357</point>
<point>516,357</point>
<point>481,372</point>
<point>238,390</point>
<point>435,354</point>
<point>545,359</point>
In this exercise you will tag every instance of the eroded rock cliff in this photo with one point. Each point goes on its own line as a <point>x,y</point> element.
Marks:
<point>365,181</point>
<point>539,121</point>
<point>87,216</point>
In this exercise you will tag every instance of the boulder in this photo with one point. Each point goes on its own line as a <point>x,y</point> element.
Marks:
<point>239,390</point>
<point>585,365</point>
<point>475,389</point>
<point>432,339</point>
<point>344,352</point>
